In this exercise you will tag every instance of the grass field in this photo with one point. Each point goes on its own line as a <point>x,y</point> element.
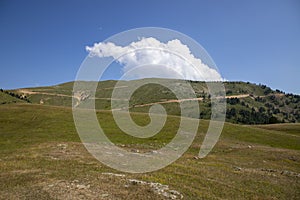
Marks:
<point>42,158</point>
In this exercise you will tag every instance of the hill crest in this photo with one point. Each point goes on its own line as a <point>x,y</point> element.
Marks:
<point>247,103</point>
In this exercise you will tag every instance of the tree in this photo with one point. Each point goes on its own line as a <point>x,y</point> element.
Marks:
<point>231,113</point>
<point>261,109</point>
<point>267,91</point>
<point>273,120</point>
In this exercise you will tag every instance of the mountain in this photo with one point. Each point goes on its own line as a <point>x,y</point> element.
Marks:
<point>247,103</point>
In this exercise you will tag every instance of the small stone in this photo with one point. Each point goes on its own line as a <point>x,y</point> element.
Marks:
<point>113,174</point>
<point>196,157</point>
<point>237,168</point>
<point>80,187</point>
<point>63,146</point>
<point>174,192</point>
<point>159,189</point>
<point>292,158</point>
<point>290,173</point>
<point>268,170</point>
<point>133,182</point>
<point>135,150</point>
<point>165,194</point>
<point>104,195</point>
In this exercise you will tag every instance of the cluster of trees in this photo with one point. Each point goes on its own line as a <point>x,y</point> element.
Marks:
<point>21,97</point>
<point>268,109</point>
<point>233,101</point>
<point>250,117</point>
<point>266,89</point>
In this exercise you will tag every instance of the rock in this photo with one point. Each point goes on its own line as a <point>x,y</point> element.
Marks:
<point>159,188</point>
<point>81,187</point>
<point>135,182</point>
<point>196,157</point>
<point>113,174</point>
<point>174,192</point>
<point>269,170</point>
<point>62,146</point>
<point>104,195</point>
<point>135,150</point>
<point>53,158</point>
<point>292,158</point>
<point>82,95</point>
<point>290,173</point>
<point>165,194</point>
<point>237,168</point>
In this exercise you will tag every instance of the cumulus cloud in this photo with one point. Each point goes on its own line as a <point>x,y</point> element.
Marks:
<point>172,56</point>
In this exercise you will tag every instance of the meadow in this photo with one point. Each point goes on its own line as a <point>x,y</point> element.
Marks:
<point>42,157</point>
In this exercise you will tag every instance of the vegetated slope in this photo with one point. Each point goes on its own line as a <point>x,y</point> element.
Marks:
<point>292,129</point>
<point>10,97</point>
<point>247,103</point>
<point>42,158</point>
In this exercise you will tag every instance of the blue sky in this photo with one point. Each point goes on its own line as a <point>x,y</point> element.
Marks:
<point>43,42</point>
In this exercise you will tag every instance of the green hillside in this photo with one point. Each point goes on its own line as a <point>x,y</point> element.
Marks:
<point>10,97</point>
<point>42,158</point>
<point>247,103</point>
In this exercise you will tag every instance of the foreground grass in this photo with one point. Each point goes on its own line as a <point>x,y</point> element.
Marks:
<point>42,158</point>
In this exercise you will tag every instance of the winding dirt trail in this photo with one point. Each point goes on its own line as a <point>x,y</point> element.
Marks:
<point>46,93</point>
<point>238,96</point>
<point>25,91</point>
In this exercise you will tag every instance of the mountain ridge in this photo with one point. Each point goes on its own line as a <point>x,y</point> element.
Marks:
<point>247,103</point>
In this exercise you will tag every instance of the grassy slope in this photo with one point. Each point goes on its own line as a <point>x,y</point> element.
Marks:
<point>6,98</point>
<point>292,129</point>
<point>285,108</point>
<point>247,163</point>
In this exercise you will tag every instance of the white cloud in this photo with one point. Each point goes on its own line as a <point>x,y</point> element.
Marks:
<point>150,51</point>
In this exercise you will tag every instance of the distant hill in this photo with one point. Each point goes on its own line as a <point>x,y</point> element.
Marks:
<point>247,103</point>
